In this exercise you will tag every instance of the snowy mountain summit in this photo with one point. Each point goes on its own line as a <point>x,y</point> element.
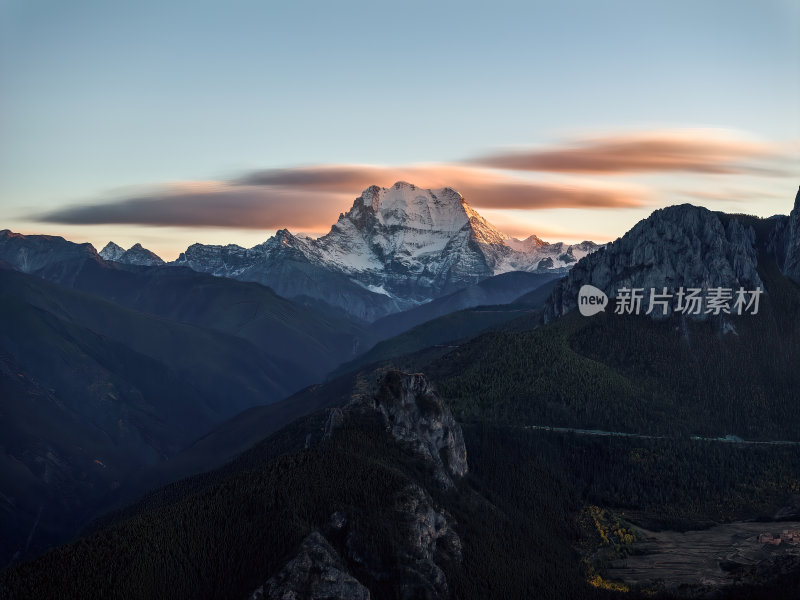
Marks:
<point>135,255</point>
<point>415,243</point>
<point>404,243</point>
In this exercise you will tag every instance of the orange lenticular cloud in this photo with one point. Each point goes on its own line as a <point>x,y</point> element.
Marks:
<point>311,198</point>
<point>481,187</point>
<point>221,206</point>
<point>715,151</point>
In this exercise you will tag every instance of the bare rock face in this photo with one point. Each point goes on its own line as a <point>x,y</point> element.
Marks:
<point>416,416</point>
<point>318,571</point>
<point>785,242</point>
<point>679,246</point>
<point>428,534</point>
<point>411,413</point>
<point>315,573</point>
<point>791,266</point>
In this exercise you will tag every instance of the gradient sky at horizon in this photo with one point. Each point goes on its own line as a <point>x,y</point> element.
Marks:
<point>103,102</point>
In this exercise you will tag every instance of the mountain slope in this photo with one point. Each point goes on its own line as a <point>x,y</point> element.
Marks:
<point>727,374</point>
<point>278,264</point>
<point>47,256</point>
<point>438,335</point>
<point>499,289</point>
<point>93,392</point>
<point>357,493</point>
<point>630,392</point>
<point>353,501</point>
<point>306,343</point>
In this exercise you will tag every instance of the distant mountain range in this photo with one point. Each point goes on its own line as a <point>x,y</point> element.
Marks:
<point>396,248</point>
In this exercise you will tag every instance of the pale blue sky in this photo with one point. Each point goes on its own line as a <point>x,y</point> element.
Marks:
<point>98,96</point>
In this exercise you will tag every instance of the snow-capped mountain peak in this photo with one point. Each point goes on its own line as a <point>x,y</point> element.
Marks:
<point>403,242</point>
<point>135,255</point>
<point>112,251</point>
<point>529,243</point>
<point>405,205</point>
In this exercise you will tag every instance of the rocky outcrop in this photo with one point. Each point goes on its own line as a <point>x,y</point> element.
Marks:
<point>428,535</point>
<point>784,242</point>
<point>425,536</point>
<point>679,246</point>
<point>411,414</point>
<point>317,572</point>
<point>415,416</point>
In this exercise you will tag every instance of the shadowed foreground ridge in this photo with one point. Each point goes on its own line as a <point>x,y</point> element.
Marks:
<point>349,492</point>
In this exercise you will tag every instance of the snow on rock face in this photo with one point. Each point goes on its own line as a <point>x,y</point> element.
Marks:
<point>136,255</point>
<point>421,243</point>
<point>411,207</point>
<point>402,221</point>
<point>218,260</point>
<point>112,251</point>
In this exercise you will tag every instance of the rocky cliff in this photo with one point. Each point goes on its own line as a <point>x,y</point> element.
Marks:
<point>327,561</point>
<point>785,242</point>
<point>679,246</point>
<point>316,572</point>
<point>414,416</point>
